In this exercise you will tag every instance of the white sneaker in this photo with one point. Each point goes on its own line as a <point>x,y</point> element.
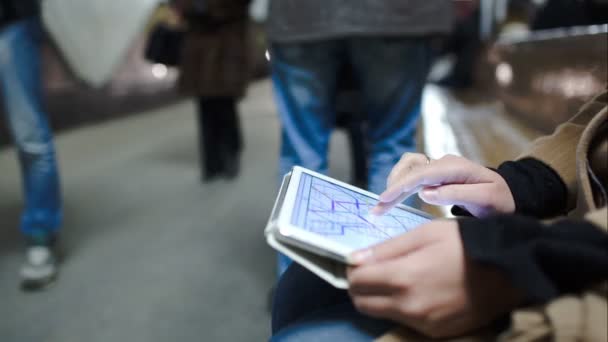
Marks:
<point>39,269</point>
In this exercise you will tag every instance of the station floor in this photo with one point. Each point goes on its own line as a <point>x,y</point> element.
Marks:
<point>151,254</point>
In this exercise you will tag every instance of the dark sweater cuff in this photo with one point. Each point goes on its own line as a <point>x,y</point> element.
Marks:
<point>537,190</point>
<point>460,212</point>
<point>542,261</point>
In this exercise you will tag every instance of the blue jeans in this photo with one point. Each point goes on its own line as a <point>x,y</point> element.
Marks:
<point>391,73</point>
<point>306,308</point>
<point>20,79</point>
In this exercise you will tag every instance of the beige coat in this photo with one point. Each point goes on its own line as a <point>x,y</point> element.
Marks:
<point>575,317</point>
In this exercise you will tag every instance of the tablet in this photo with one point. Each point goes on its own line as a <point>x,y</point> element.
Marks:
<point>332,218</point>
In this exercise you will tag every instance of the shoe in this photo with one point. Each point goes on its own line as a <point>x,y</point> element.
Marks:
<point>270,300</point>
<point>232,166</point>
<point>40,267</point>
<point>209,176</point>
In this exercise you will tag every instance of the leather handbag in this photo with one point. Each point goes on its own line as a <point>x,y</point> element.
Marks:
<point>164,45</point>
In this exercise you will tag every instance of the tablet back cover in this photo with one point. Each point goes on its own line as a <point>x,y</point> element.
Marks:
<point>327,269</point>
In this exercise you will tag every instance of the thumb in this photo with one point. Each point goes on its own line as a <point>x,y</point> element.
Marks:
<point>458,194</point>
<point>392,248</point>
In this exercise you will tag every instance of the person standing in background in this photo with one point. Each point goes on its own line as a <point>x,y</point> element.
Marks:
<point>214,67</point>
<point>21,83</point>
<point>386,44</point>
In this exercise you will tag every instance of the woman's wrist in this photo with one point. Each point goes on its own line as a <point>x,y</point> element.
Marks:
<point>537,190</point>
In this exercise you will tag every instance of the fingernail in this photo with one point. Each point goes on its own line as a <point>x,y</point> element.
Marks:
<point>429,193</point>
<point>361,256</point>
<point>377,210</point>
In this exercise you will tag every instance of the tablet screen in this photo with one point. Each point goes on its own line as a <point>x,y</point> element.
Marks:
<point>342,215</point>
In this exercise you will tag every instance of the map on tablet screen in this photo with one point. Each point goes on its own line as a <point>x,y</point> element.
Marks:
<point>342,215</point>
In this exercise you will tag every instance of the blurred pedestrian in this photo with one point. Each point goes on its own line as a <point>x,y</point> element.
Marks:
<point>465,44</point>
<point>568,13</point>
<point>215,68</point>
<point>386,44</point>
<point>20,78</point>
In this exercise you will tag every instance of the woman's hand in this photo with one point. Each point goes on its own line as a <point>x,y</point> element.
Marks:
<point>450,180</point>
<point>423,279</point>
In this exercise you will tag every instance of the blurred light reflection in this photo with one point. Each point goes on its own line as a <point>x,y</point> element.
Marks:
<point>159,71</point>
<point>504,74</point>
<point>568,83</point>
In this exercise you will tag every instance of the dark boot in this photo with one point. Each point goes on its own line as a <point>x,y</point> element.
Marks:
<point>232,140</point>
<point>209,140</point>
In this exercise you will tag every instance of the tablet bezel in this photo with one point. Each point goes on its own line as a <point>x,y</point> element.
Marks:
<point>310,241</point>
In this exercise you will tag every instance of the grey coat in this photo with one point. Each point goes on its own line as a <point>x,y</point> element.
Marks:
<point>302,20</point>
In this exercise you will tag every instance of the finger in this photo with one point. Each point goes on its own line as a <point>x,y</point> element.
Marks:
<point>378,278</point>
<point>383,208</point>
<point>407,185</point>
<point>407,162</point>
<point>392,248</point>
<point>376,289</point>
<point>447,170</point>
<point>390,307</point>
<point>400,245</point>
<point>458,194</point>
<point>375,306</point>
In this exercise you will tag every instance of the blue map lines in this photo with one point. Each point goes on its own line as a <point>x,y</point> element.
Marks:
<point>343,215</point>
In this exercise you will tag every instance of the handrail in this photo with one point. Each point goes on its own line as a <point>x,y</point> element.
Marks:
<point>534,36</point>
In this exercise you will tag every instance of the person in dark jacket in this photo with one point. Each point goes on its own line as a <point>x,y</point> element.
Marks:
<point>386,45</point>
<point>21,84</point>
<point>567,13</point>
<point>214,67</point>
<point>462,278</point>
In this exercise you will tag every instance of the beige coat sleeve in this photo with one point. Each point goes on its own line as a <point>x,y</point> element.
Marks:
<point>599,218</point>
<point>559,149</point>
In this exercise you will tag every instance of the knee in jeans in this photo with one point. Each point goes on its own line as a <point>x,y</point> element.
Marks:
<point>34,148</point>
<point>40,152</point>
<point>5,51</point>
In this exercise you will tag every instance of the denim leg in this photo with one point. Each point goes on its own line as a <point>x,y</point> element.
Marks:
<point>336,323</point>
<point>300,293</point>
<point>20,77</point>
<point>306,308</point>
<point>392,72</point>
<point>304,78</point>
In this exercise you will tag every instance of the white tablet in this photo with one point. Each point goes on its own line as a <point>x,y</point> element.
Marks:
<point>331,218</point>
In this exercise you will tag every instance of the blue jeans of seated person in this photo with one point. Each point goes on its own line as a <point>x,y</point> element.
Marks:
<point>391,73</point>
<point>21,84</point>
<point>306,308</point>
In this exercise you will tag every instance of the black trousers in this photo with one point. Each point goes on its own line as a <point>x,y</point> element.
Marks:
<point>307,307</point>
<point>220,137</point>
